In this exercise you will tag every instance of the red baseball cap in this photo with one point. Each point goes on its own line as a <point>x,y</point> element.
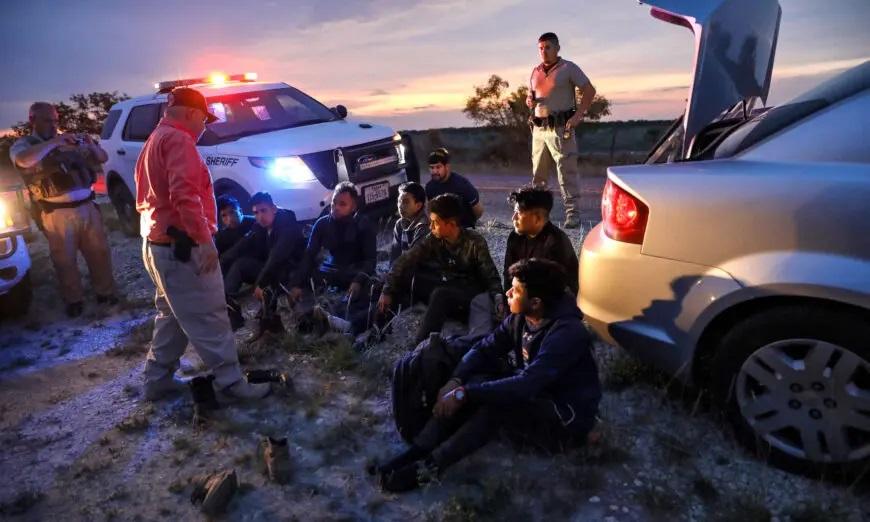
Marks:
<point>187,97</point>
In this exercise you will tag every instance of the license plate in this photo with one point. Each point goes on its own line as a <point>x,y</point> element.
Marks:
<point>377,192</point>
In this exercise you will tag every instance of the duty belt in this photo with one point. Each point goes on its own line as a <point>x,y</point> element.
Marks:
<point>49,206</point>
<point>553,121</point>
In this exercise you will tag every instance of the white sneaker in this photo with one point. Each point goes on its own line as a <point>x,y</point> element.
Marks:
<point>242,390</point>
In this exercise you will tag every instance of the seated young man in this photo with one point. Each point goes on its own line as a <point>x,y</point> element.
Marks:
<point>446,269</point>
<point>350,241</point>
<point>263,258</point>
<point>549,399</point>
<point>412,225</point>
<point>445,181</point>
<point>234,224</point>
<point>534,235</point>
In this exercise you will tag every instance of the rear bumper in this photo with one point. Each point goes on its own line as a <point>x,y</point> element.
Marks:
<point>653,307</point>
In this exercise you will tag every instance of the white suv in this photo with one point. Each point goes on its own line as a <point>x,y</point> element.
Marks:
<point>269,137</point>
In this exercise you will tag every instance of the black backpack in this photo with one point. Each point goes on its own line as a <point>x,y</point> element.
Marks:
<point>419,375</point>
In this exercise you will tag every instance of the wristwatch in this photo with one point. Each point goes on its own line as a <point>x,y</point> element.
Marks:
<point>459,393</point>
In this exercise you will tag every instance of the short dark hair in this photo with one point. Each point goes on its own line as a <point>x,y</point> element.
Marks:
<point>225,201</point>
<point>414,189</point>
<point>542,278</point>
<point>551,37</point>
<point>262,197</point>
<point>440,155</point>
<point>529,197</point>
<point>346,187</point>
<point>447,207</point>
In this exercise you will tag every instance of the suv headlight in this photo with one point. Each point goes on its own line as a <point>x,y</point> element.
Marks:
<point>13,218</point>
<point>400,148</point>
<point>290,169</point>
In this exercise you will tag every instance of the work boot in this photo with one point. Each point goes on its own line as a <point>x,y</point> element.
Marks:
<point>410,477</point>
<point>412,454</point>
<point>161,388</point>
<point>215,491</point>
<point>204,399</point>
<point>75,309</point>
<point>243,390</point>
<point>277,457</point>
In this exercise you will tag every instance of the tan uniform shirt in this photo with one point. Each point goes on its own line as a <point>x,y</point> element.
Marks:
<point>556,87</point>
<point>24,143</point>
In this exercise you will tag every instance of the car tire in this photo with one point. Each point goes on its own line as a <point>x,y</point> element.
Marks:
<point>125,208</point>
<point>412,166</point>
<point>240,194</point>
<point>16,302</point>
<point>794,382</point>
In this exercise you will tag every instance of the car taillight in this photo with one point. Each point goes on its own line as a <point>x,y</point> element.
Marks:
<point>624,216</point>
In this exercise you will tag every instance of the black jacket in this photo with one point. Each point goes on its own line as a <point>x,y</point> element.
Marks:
<point>552,244</point>
<point>351,246</point>
<point>278,250</point>
<point>227,237</point>
<point>560,366</point>
<point>466,263</point>
<point>406,233</point>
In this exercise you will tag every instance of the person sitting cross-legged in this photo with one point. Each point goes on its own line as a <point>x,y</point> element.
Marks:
<point>448,270</point>
<point>548,400</point>
<point>265,258</point>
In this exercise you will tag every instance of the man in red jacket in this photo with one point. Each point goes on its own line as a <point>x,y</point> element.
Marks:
<point>175,199</point>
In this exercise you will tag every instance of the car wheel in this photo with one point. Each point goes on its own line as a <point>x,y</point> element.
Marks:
<point>240,194</point>
<point>795,383</point>
<point>16,302</point>
<point>412,166</point>
<point>125,208</point>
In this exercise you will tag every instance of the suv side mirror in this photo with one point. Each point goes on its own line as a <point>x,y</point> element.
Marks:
<point>340,111</point>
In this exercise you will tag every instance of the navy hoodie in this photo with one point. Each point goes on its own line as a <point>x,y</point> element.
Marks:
<point>559,366</point>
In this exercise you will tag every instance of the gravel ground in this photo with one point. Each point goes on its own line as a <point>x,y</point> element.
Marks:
<point>79,444</point>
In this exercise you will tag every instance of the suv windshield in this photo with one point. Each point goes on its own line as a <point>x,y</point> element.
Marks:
<point>244,114</point>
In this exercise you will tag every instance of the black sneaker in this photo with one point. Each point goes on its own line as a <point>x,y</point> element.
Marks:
<point>412,454</point>
<point>75,309</point>
<point>408,478</point>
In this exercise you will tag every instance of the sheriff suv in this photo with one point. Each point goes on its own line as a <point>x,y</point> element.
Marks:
<point>269,137</point>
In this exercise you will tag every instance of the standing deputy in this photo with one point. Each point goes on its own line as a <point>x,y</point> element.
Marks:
<point>555,116</point>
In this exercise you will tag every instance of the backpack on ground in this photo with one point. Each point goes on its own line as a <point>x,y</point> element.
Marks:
<point>419,375</point>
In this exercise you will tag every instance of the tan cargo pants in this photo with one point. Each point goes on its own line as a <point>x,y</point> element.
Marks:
<point>190,308</point>
<point>69,230</point>
<point>550,149</point>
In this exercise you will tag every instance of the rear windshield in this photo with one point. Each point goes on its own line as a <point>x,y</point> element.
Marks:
<point>257,112</point>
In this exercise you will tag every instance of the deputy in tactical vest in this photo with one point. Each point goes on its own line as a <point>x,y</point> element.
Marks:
<point>59,170</point>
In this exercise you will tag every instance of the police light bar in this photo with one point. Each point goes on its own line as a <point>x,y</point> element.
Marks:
<point>213,79</point>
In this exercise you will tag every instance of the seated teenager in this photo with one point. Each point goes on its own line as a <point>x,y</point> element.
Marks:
<point>350,242</point>
<point>413,224</point>
<point>549,399</point>
<point>534,235</point>
<point>445,181</point>
<point>264,258</point>
<point>446,270</point>
<point>234,224</point>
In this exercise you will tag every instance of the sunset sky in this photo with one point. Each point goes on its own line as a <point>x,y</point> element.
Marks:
<point>407,63</point>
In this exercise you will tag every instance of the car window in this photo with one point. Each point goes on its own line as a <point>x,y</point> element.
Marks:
<point>244,114</point>
<point>838,133</point>
<point>110,123</point>
<point>142,120</point>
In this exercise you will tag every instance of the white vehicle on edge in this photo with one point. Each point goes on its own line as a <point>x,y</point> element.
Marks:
<point>269,137</point>
<point>15,287</point>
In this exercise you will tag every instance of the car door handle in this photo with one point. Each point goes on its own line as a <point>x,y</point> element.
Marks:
<point>121,152</point>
